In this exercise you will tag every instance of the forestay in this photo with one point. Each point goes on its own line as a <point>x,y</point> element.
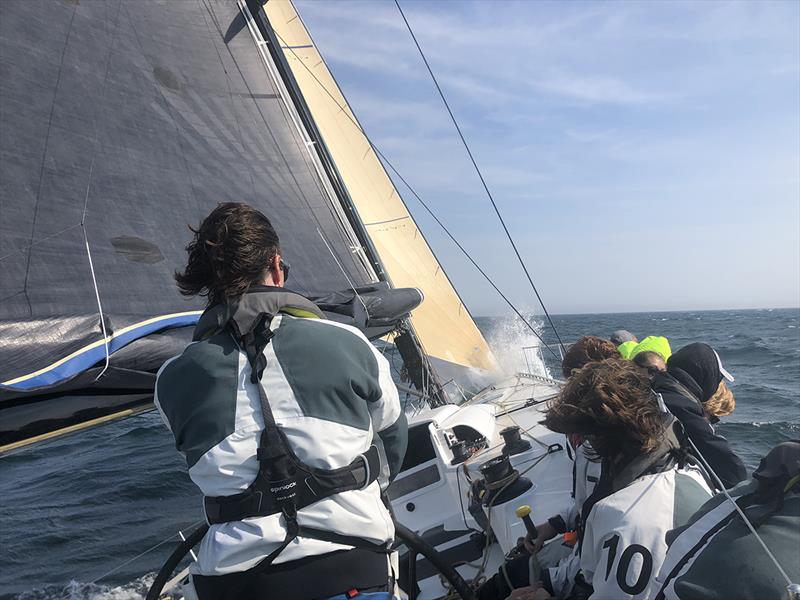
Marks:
<point>442,322</point>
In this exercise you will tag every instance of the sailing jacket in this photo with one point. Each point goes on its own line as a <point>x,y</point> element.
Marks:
<point>331,393</point>
<point>682,400</point>
<point>716,557</point>
<point>560,579</point>
<point>627,517</point>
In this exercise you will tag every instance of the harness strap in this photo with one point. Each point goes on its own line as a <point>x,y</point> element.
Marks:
<point>316,485</point>
<point>338,538</point>
<point>284,483</point>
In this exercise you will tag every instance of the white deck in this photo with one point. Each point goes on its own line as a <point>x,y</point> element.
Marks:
<point>439,510</point>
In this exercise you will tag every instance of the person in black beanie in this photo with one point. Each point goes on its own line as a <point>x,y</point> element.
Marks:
<point>694,375</point>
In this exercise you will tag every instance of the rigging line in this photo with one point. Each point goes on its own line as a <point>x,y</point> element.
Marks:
<point>304,141</point>
<point>414,193</point>
<point>346,276</point>
<point>39,241</point>
<point>741,514</point>
<point>141,554</point>
<point>480,175</point>
<point>106,342</point>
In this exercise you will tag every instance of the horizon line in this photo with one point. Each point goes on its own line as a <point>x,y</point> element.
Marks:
<point>646,312</point>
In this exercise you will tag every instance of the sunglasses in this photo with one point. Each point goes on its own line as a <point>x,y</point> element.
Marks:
<point>285,268</point>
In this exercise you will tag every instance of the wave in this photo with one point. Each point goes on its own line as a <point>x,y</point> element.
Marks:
<point>74,590</point>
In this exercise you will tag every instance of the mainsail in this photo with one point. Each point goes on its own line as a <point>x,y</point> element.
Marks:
<point>122,122</point>
<point>443,324</point>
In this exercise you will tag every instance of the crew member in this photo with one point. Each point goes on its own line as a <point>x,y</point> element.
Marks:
<point>587,349</point>
<point>717,557</point>
<point>650,361</point>
<point>290,425</point>
<point>694,376</point>
<point>652,343</point>
<point>624,341</point>
<point>645,488</point>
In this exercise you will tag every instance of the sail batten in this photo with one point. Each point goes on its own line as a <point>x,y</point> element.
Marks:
<point>442,323</point>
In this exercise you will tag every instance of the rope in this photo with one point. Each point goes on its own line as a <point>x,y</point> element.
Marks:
<point>94,277</point>
<point>414,193</point>
<point>141,554</point>
<point>86,206</point>
<point>480,175</point>
<point>349,281</point>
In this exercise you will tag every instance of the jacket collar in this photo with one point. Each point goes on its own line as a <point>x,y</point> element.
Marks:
<point>677,381</point>
<point>619,472</point>
<point>255,301</point>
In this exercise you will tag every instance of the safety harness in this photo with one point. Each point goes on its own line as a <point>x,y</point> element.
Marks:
<point>284,484</point>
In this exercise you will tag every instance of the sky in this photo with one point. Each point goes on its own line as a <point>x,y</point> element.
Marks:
<point>645,155</point>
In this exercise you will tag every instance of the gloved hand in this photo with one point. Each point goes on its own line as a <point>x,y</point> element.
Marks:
<point>546,532</point>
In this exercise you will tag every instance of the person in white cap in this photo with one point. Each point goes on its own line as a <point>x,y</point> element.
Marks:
<point>694,376</point>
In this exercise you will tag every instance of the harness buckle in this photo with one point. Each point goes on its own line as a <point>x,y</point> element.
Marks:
<point>366,471</point>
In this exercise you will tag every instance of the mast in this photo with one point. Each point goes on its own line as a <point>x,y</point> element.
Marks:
<point>110,151</point>
<point>416,362</point>
<point>442,325</point>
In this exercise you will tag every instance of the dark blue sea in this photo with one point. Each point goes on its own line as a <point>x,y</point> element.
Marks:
<point>75,509</point>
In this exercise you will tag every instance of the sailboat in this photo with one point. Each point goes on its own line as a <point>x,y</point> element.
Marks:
<point>125,121</point>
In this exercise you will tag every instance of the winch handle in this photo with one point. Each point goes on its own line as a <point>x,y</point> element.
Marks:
<point>524,513</point>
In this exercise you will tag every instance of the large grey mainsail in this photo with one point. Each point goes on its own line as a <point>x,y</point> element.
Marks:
<point>121,122</point>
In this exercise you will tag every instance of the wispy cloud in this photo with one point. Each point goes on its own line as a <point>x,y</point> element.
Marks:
<point>665,119</point>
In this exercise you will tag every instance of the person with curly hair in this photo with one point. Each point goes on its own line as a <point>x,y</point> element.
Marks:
<point>587,349</point>
<point>645,487</point>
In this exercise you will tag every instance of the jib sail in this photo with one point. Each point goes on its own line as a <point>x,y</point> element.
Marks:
<point>443,324</point>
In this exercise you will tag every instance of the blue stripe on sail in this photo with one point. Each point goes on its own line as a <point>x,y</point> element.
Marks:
<point>93,355</point>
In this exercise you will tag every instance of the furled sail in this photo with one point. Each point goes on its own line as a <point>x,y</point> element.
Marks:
<point>121,122</point>
<point>442,323</point>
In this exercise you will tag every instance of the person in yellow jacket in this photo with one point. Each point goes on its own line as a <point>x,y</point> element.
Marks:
<point>628,345</point>
<point>652,343</point>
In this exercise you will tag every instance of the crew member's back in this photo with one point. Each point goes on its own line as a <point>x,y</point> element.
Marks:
<point>321,410</point>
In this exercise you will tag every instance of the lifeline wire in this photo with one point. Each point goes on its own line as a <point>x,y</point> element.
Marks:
<point>480,175</point>
<point>433,215</point>
<point>141,554</point>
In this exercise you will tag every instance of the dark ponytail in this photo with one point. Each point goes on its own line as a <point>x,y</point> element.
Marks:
<point>230,251</point>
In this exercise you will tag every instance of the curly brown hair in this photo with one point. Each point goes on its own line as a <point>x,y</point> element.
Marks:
<point>229,252</point>
<point>611,404</point>
<point>587,349</point>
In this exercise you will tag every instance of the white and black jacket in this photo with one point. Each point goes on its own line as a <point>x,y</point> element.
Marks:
<point>627,517</point>
<point>330,392</point>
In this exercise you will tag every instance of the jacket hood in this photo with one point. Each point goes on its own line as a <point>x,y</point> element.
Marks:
<point>256,300</point>
<point>696,365</point>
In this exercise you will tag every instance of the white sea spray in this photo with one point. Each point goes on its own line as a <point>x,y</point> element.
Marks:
<point>516,348</point>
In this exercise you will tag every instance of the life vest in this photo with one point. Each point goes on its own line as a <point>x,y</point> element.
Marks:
<point>284,484</point>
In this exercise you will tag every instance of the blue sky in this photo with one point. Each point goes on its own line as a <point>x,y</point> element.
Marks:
<point>645,155</point>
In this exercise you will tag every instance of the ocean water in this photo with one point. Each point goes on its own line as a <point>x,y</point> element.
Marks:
<point>75,509</point>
